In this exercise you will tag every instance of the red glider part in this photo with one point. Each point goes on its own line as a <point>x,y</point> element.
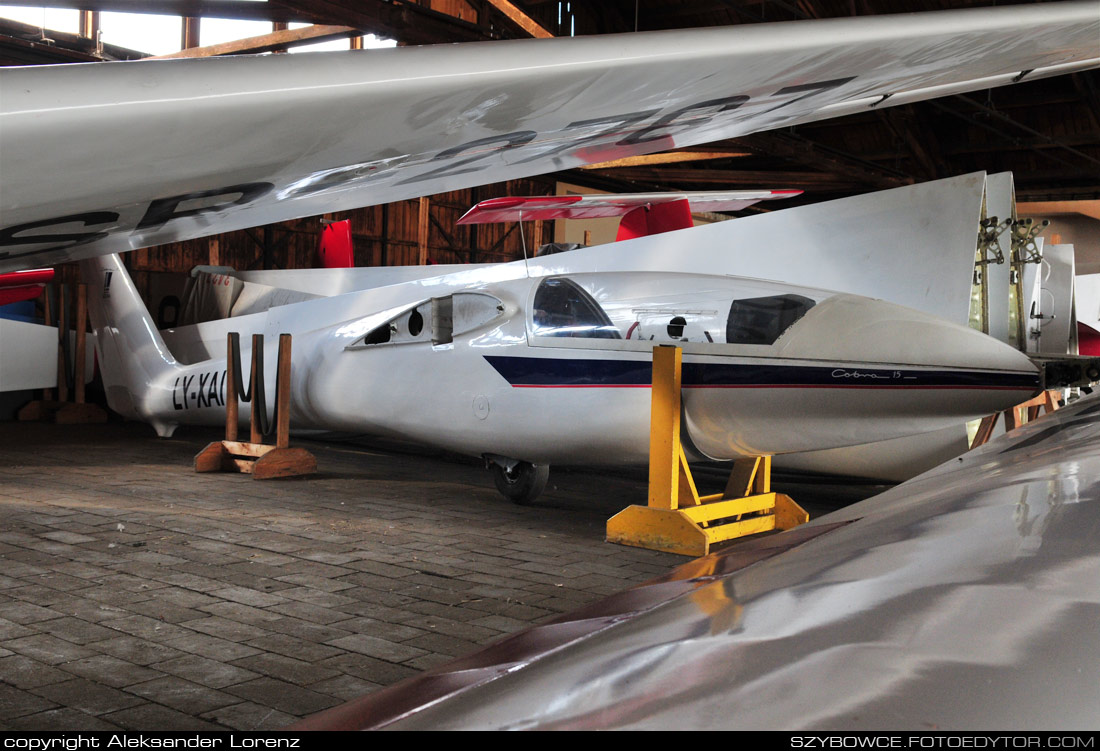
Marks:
<point>336,249</point>
<point>18,286</point>
<point>643,213</point>
<point>1088,340</point>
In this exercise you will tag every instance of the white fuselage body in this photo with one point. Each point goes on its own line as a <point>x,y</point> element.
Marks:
<point>849,370</point>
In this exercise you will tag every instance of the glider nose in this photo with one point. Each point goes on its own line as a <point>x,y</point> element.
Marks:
<point>860,329</point>
<point>848,328</point>
<point>860,371</point>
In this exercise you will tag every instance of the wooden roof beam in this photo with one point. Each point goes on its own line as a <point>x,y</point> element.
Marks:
<point>520,19</point>
<point>406,22</point>
<point>66,45</point>
<point>1084,85</point>
<point>268,11</point>
<point>805,152</point>
<point>901,121</point>
<point>267,42</point>
<point>669,157</point>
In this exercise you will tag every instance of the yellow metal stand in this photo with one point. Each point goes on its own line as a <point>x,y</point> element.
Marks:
<point>678,519</point>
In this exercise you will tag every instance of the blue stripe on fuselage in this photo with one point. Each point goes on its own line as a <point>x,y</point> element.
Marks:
<point>552,372</point>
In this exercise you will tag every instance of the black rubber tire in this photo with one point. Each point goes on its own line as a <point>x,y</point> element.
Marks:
<point>523,484</point>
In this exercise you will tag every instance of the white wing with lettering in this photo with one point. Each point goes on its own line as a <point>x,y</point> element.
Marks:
<point>106,157</point>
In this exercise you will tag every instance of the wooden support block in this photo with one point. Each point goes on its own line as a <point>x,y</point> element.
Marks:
<point>247,450</point>
<point>80,413</point>
<point>211,458</point>
<point>260,460</point>
<point>39,410</point>
<point>289,462</point>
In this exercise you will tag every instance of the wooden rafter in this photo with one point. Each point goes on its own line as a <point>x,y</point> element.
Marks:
<point>810,154</point>
<point>267,11</point>
<point>900,120</point>
<point>267,42</point>
<point>520,19</point>
<point>668,157</point>
<point>406,22</point>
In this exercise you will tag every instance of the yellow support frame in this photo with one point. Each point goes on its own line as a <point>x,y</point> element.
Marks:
<point>679,520</point>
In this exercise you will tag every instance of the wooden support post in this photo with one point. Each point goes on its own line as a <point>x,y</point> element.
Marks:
<point>47,318</point>
<point>81,342</point>
<point>255,377</point>
<point>232,414</point>
<point>262,461</point>
<point>536,237</point>
<point>189,32</point>
<point>588,237</point>
<point>77,412</point>
<point>62,344</point>
<point>276,27</point>
<point>422,231</point>
<point>282,395</point>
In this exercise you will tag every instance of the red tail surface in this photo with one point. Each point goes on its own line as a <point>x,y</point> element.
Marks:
<point>336,249</point>
<point>18,286</point>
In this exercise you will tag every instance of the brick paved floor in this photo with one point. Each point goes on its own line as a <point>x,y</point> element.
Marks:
<point>136,594</point>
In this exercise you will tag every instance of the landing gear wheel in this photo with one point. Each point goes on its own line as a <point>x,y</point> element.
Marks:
<point>523,483</point>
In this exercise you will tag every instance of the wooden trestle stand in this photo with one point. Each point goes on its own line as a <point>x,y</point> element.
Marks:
<point>61,410</point>
<point>1015,417</point>
<point>678,519</point>
<point>263,461</point>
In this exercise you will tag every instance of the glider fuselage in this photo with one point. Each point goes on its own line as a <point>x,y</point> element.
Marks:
<point>556,368</point>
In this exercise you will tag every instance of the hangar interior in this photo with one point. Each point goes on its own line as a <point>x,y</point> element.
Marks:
<point>138,595</point>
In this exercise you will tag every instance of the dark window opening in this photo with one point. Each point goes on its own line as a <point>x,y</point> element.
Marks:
<point>416,323</point>
<point>761,320</point>
<point>380,335</point>
<point>563,308</point>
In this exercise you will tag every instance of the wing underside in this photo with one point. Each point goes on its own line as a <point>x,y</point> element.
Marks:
<point>176,149</point>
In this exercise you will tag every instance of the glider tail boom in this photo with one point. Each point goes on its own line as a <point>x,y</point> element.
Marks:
<point>132,355</point>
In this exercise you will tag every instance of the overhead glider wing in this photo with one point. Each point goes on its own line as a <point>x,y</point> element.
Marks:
<point>107,157</point>
<point>600,206</point>
<point>642,213</point>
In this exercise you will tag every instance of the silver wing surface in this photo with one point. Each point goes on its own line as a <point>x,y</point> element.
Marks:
<point>966,598</point>
<point>108,157</point>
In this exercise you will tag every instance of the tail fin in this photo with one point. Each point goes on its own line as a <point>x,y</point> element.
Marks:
<point>132,354</point>
<point>335,251</point>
